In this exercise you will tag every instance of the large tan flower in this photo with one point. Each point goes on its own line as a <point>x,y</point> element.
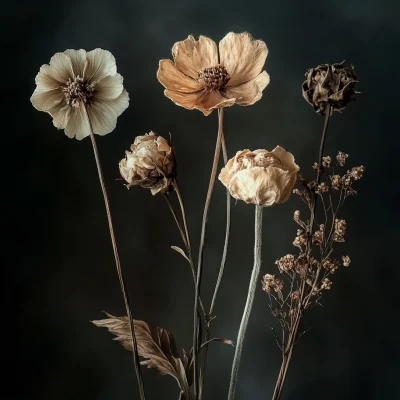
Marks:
<point>260,177</point>
<point>76,80</point>
<point>150,164</point>
<point>201,78</point>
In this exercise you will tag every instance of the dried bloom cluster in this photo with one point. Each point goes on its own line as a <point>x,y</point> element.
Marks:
<point>340,230</point>
<point>77,85</point>
<point>270,282</point>
<point>332,84</point>
<point>202,78</point>
<point>150,164</point>
<point>260,177</point>
<point>341,158</point>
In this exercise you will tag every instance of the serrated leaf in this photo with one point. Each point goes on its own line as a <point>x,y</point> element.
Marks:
<point>156,345</point>
<point>180,251</point>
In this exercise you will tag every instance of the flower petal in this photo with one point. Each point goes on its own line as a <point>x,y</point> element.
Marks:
<point>45,80</point>
<point>173,79</point>
<point>44,100</point>
<point>77,125</point>
<point>191,55</point>
<point>250,92</point>
<point>286,158</point>
<point>110,87</point>
<point>204,100</point>
<point>242,56</point>
<point>78,60</point>
<point>61,68</point>
<point>99,64</point>
<point>61,114</point>
<point>103,114</point>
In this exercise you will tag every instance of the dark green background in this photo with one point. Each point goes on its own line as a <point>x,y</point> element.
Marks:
<point>58,259</point>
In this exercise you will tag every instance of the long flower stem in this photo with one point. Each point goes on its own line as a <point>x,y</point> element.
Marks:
<point>185,238</point>
<point>287,351</point>
<point>220,276</point>
<point>124,291</point>
<point>249,302</point>
<point>196,319</point>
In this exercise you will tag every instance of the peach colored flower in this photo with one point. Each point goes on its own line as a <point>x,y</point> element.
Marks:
<point>150,164</point>
<point>204,79</point>
<point>260,177</point>
<point>77,81</point>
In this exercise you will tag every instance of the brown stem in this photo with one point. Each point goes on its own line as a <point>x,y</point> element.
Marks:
<point>220,275</point>
<point>185,238</point>
<point>117,263</point>
<point>201,250</point>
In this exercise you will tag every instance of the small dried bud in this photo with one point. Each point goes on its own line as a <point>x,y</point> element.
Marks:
<point>322,188</point>
<point>315,166</point>
<point>301,265</point>
<point>326,162</point>
<point>295,295</point>
<point>356,173</point>
<point>286,263</point>
<point>260,177</point>
<point>331,265</point>
<point>150,164</point>
<point>301,239</point>
<point>332,84</point>
<point>336,181</point>
<point>318,237</point>
<point>340,230</point>
<point>270,282</point>
<point>297,191</point>
<point>346,261</point>
<point>326,284</point>
<point>341,158</point>
<point>292,313</point>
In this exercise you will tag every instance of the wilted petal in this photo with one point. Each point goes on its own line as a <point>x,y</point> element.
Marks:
<point>44,100</point>
<point>77,125</point>
<point>78,60</point>
<point>103,114</point>
<point>242,56</point>
<point>110,87</point>
<point>100,63</point>
<point>250,92</point>
<point>61,115</point>
<point>61,68</point>
<point>173,79</point>
<point>191,56</point>
<point>286,158</point>
<point>204,100</point>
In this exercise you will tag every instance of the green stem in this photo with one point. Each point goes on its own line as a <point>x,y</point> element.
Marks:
<point>249,302</point>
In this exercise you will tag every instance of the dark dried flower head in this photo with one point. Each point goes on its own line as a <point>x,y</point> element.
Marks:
<point>322,188</point>
<point>341,158</point>
<point>331,265</point>
<point>150,164</point>
<point>332,84</point>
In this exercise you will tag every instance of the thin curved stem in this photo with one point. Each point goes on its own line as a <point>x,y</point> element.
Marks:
<point>201,250</point>
<point>124,291</point>
<point>184,239</point>
<point>220,275</point>
<point>249,302</point>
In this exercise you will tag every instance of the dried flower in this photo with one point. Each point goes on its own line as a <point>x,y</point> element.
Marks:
<point>331,265</point>
<point>332,84</point>
<point>77,82</point>
<point>340,230</point>
<point>326,161</point>
<point>260,177</point>
<point>336,182</point>
<point>356,173</point>
<point>286,263</point>
<point>318,237</point>
<point>150,164</point>
<point>322,188</point>
<point>269,282</point>
<point>341,158</point>
<point>301,238</point>
<point>326,284</point>
<point>346,261</point>
<point>200,78</point>
<point>295,295</point>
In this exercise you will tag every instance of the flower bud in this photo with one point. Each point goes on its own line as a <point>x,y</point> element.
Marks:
<point>332,84</point>
<point>260,177</point>
<point>150,164</point>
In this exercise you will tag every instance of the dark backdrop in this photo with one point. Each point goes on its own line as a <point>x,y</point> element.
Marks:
<point>58,256</point>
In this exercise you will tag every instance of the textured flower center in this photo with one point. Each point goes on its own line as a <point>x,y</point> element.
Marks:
<point>77,91</point>
<point>214,77</point>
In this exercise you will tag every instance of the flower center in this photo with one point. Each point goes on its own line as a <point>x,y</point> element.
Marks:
<point>214,77</point>
<point>77,91</point>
